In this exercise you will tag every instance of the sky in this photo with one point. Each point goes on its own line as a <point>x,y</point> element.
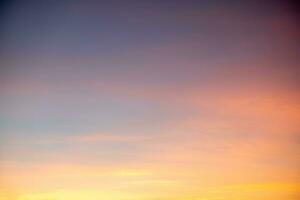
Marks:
<point>149,100</point>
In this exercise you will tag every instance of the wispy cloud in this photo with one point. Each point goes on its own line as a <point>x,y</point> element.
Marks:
<point>107,137</point>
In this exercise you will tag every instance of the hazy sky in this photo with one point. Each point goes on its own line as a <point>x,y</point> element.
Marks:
<point>149,100</point>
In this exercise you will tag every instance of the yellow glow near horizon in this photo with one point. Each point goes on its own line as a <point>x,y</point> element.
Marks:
<point>275,191</point>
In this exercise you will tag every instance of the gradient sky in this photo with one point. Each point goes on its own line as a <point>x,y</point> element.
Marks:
<point>149,100</point>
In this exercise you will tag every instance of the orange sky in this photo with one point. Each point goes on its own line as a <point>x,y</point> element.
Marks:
<point>175,100</point>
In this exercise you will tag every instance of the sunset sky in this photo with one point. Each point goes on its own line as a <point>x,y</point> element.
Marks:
<point>149,100</point>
